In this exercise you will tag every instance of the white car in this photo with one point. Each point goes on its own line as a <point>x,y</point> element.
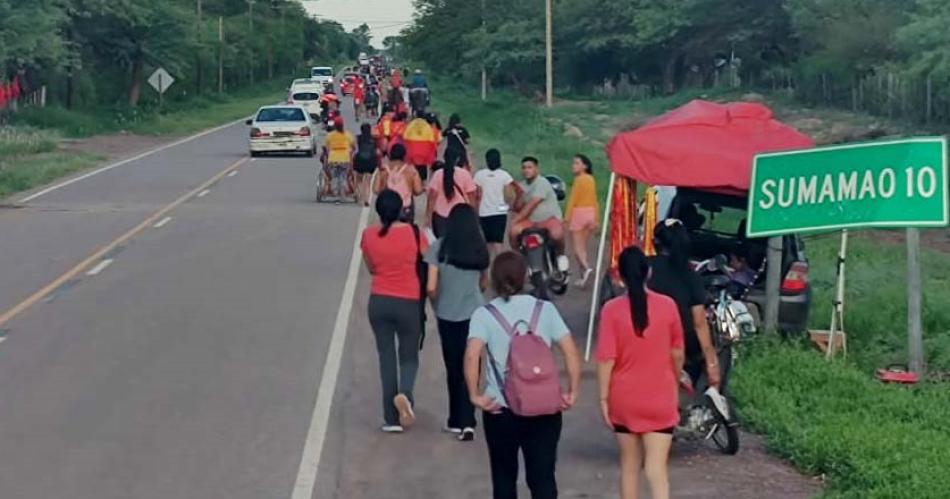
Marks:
<point>282,129</point>
<point>307,95</point>
<point>321,74</point>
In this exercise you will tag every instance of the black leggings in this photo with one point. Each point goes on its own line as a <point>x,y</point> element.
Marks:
<point>537,438</point>
<point>454,337</point>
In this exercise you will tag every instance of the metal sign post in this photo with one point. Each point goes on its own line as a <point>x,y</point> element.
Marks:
<point>161,81</point>
<point>899,183</point>
<point>837,306</point>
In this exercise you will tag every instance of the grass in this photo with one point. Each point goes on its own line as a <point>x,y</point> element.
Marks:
<point>29,148</point>
<point>833,419</point>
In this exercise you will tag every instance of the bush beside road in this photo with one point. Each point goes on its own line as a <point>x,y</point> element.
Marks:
<point>866,439</point>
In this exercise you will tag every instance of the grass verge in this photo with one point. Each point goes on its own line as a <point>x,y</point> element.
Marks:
<point>832,419</point>
<point>29,149</point>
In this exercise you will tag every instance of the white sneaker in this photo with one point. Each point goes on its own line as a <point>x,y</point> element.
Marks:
<point>722,405</point>
<point>563,263</point>
<point>449,429</point>
<point>393,428</point>
<point>580,283</point>
<point>467,435</point>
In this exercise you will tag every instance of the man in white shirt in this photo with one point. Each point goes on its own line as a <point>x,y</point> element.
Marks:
<point>494,185</point>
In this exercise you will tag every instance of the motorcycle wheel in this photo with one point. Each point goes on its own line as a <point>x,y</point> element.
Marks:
<point>726,434</point>
<point>538,285</point>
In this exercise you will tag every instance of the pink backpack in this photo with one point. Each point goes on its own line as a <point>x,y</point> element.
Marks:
<point>533,386</point>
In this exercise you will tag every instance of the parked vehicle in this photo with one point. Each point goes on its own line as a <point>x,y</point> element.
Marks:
<point>285,128</point>
<point>717,225</point>
<point>321,74</point>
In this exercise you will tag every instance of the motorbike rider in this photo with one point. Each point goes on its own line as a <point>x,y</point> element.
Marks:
<point>537,207</point>
<point>419,80</point>
<point>672,275</point>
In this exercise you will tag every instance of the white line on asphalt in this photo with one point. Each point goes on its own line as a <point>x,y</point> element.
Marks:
<point>100,266</point>
<point>203,193</point>
<point>161,223</point>
<point>316,435</point>
<point>233,173</point>
<point>137,157</point>
<point>3,338</point>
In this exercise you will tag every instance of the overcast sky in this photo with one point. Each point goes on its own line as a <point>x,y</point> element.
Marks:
<point>384,17</point>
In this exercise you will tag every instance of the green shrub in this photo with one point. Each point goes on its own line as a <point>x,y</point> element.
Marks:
<point>870,440</point>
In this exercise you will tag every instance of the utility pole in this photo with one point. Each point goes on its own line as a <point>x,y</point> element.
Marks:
<point>250,37</point>
<point>549,42</point>
<point>484,71</point>
<point>220,55</point>
<point>198,61</point>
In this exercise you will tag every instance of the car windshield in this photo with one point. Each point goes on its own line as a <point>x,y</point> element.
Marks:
<point>321,72</point>
<point>306,96</point>
<point>281,114</point>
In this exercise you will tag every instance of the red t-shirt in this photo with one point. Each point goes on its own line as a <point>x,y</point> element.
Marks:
<point>392,261</point>
<point>643,392</point>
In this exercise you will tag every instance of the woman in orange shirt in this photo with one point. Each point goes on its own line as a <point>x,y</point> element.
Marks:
<point>581,213</point>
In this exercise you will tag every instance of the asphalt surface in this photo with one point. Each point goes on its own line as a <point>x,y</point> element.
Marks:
<point>187,367</point>
<point>189,364</point>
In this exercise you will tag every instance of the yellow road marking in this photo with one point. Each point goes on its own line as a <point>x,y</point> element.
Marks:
<point>98,254</point>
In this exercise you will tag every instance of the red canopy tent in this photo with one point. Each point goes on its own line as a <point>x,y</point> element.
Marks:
<point>702,145</point>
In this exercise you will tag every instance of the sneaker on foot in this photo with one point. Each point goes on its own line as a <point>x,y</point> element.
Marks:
<point>467,435</point>
<point>392,428</point>
<point>580,283</point>
<point>451,429</point>
<point>563,263</point>
<point>406,416</point>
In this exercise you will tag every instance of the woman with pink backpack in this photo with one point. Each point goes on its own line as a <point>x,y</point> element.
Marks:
<point>523,399</point>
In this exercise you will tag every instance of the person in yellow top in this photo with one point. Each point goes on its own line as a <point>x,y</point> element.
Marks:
<point>581,213</point>
<point>340,147</point>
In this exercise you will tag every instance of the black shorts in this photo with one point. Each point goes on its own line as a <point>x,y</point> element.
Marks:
<point>626,431</point>
<point>423,172</point>
<point>365,166</point>
<point>493,227</point>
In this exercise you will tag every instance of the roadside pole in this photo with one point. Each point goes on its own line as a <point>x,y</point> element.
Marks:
<point>915,343</point>
<point>484,71</point>
<point>599,269</point>
<point>773,284</point>
<point>549,49</point>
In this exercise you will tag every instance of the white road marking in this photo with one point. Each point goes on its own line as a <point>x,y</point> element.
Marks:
<point>161,223</point>
<point>233,173</point>
<point>203,193</point>
<point>137,157</point>
<point>3,338</point>
<point>100,267</point>
<point>316,435</point>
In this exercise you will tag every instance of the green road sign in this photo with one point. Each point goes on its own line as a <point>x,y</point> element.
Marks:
<point>900,183</point>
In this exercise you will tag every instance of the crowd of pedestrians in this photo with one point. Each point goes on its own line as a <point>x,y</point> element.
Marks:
<point>497,342</point>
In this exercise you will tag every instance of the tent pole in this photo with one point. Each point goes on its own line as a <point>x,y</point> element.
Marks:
<point>598,273</point>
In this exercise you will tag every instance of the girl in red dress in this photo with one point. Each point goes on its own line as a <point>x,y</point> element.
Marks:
<point>640,356</point>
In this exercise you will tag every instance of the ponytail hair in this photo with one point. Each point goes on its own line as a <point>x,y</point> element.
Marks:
<point>634,270</point>
<point>672,240</point>
<point>588,165</point>
<point>388,207</point>
<point>508,274</point>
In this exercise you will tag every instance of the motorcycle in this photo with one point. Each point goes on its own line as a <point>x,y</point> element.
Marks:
<point>706,414</point>
<point>539,251</point>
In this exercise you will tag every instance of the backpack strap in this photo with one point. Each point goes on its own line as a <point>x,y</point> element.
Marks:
<point>535,316</point>
<point>510,330</point>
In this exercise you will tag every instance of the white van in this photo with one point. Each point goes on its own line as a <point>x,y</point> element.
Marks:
<point>321,74</point>
<point>306,95</point>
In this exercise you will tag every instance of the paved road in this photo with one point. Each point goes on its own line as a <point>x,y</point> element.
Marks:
<point>187,367</point>
<point>189,364</point>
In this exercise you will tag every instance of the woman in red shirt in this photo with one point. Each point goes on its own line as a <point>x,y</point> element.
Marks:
<point>640,356</point>
<point>390,250</point>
